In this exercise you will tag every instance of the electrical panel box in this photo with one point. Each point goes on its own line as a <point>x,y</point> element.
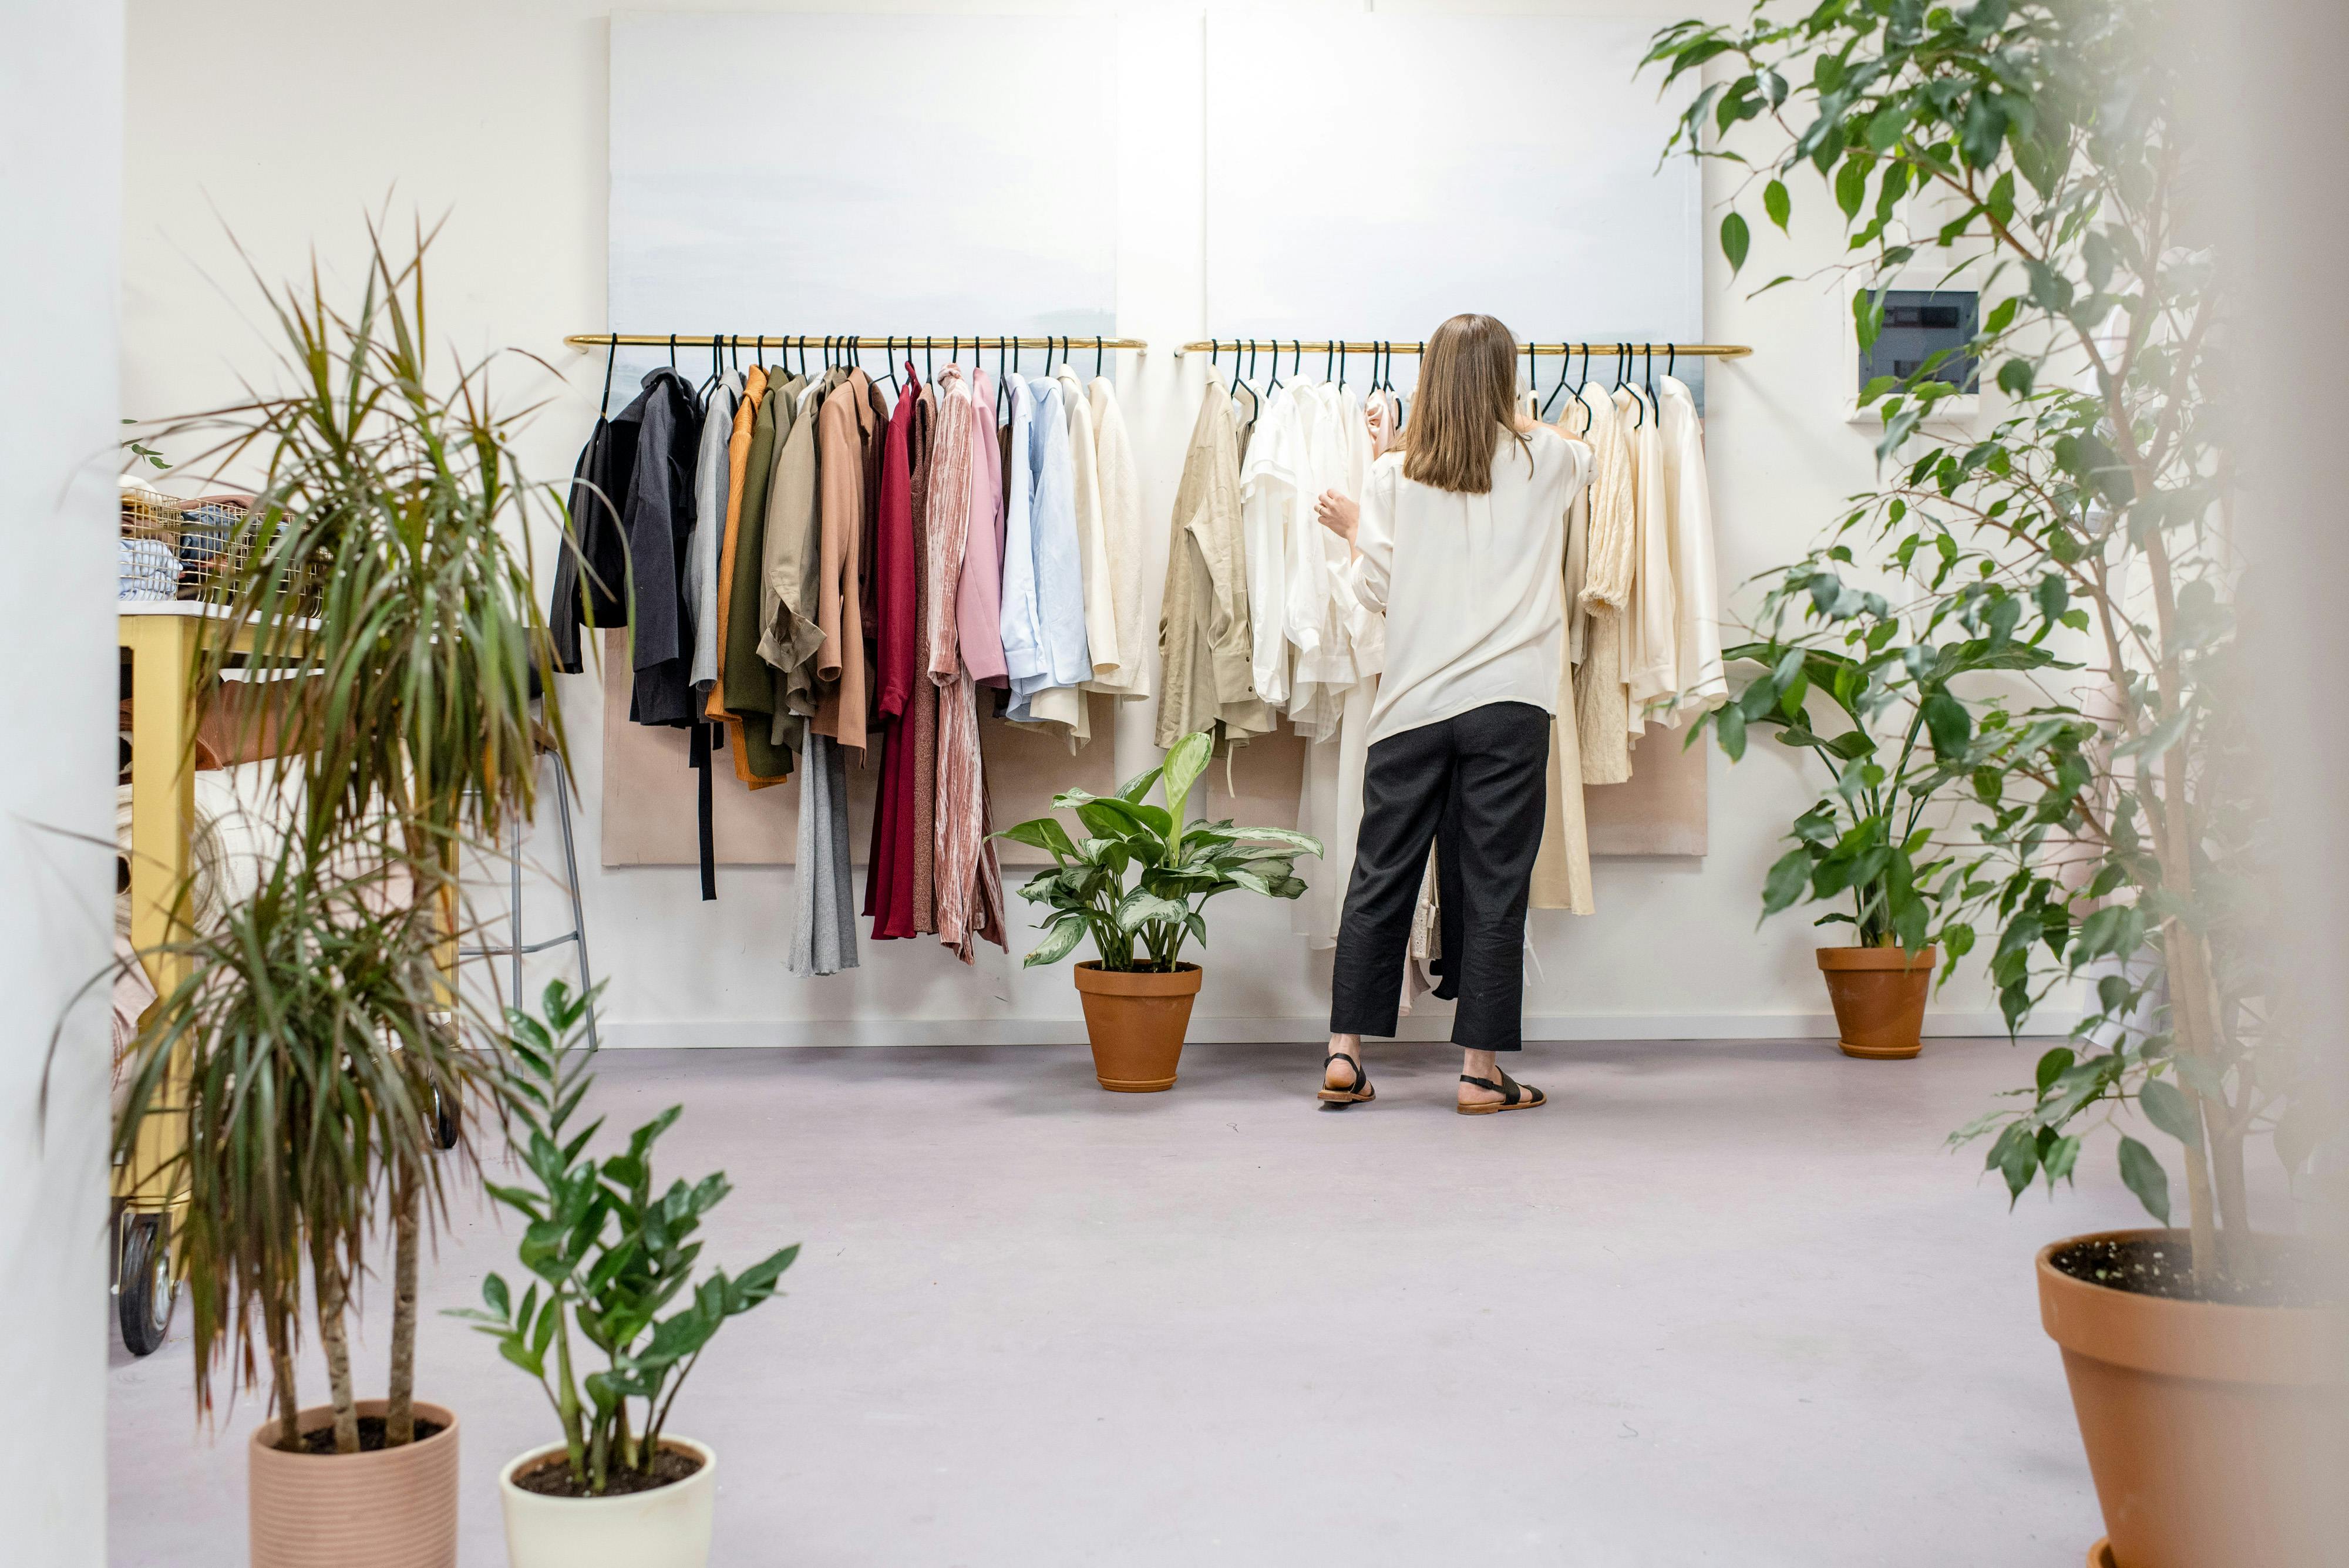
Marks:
<point>1921,323</point>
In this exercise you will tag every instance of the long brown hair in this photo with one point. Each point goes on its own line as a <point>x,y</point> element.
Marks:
<point>1467,400</point>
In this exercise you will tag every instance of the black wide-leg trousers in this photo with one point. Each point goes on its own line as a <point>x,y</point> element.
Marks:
<point>1476,784</point>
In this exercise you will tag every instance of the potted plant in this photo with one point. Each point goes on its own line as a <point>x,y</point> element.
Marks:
<point>307,1046</point>
<point>611,1258</point>
<point>386,551</point>
<point>1887,834</point>
<point>2035,145</point>
<point>1136,990</point>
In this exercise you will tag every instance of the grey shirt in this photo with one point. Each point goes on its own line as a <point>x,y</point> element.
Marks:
<point>710,480</point>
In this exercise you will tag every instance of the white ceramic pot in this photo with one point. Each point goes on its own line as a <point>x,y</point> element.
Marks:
<point>665,1528</point>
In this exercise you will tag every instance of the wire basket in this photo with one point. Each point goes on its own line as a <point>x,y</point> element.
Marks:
<point>199,550</point>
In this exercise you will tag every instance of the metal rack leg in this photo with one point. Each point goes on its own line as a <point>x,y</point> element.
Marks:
<point>578,910</point>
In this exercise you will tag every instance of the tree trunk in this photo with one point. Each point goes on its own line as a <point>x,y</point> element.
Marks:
<point>281,1382</point>
<point>399,1407</point>
<point>332,1301</point>
<point>2190,989</point>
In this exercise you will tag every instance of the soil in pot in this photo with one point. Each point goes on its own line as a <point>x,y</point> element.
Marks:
<point>2152,1266</point>
<point>321,1440</point>
<point>553,1477</point>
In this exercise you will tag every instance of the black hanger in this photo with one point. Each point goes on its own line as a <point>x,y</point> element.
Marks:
<point>1242,382</point>
<point>889,360</point>
<point>1329,360</point>
<point>1342,361</point>
<point>1297,365</point>
<point>1097,356</point>
<point>672,352</point>
<point>1649,378</point>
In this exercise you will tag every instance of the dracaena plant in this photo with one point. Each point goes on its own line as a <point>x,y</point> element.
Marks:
<point>1139,881</point>
<point>2030,149</point>
<point>610,1255</point>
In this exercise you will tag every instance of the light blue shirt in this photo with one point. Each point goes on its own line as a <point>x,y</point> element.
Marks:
<point>1023,632</point>
<point>1064,657</point>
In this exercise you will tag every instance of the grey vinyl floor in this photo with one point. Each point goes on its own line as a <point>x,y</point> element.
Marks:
<point>1718,1303</point>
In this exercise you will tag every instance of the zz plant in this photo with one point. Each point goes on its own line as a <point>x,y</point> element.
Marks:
<point>2114,843</point>
<point>611,1258</point>
<point>1139,881</point>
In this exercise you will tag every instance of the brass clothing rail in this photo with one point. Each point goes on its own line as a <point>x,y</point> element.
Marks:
<point>761,341</point>
<point>1377,346</point>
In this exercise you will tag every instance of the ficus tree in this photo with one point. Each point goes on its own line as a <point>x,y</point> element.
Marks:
<point>2114,834</point>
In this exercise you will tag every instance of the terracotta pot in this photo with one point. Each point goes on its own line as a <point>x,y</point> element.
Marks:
<point>668,1527</point>
<point>1879,998</point>
<point>396,1508</point>
<point>2215,1432</point>
<point>1136,1023</point>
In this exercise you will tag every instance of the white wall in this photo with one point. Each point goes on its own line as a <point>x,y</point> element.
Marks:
<point>60,124</point>
<point>494,110</point>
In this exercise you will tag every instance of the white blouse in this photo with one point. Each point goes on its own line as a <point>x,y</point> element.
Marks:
<point>1469,584</point>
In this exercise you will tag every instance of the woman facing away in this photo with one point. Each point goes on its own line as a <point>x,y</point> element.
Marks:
<point>1459,539</point>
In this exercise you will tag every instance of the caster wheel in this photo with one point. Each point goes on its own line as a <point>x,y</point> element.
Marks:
<point>444,1120</point>
<point>145,1291</point>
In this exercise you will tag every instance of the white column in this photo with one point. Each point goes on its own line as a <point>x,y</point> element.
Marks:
<point>61,189</point>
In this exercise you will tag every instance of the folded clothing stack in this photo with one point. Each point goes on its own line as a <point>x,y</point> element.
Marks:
<point>146,569</point>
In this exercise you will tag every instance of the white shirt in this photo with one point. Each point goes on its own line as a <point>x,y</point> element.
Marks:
<point>1469,583</point>
<point>1696,588</point>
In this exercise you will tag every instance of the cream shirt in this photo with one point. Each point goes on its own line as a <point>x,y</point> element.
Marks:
<point>1469,583</point>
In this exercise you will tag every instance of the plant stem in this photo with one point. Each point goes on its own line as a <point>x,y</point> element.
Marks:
<point>400,1402</point>
<point>281,1377</point>
<point>333,1299</point>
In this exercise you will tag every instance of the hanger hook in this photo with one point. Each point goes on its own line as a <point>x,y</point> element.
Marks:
<point>1097,356</point>
<point>611,361</point>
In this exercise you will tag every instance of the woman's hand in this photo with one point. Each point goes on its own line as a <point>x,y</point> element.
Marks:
<point>1338,513</point>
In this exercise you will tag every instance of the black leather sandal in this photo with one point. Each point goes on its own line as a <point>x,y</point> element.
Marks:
<point>1515,1096</point>
<point>1361,1091</point>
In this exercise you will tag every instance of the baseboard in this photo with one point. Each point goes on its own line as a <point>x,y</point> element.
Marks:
<point>646,1034</point>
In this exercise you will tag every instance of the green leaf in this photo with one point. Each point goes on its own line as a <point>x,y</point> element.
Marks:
<point>1868,317</point>
<point>1789,876</point>
<point>1185,761</point>
<point>1950,725</point>
<point>1042,833</point>
<point>2146,1178</point>
<point>1065,936</point>
<point>2165,1107</point>
<point>1729,724</point>
<point>1133,789</point>
<point>1851,184</point>
<point>2053,1065</point>
<point>1776,204</point>
<point>2015,378</point>
<point>1734,240</point>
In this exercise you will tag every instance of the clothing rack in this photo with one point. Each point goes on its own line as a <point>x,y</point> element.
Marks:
<point>1377,346</point>
<point>802,342</point>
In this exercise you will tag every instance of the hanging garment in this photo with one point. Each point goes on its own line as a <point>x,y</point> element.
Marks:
<point>1329,792</point>
<point>924,712</point>
<point>738,460</point>
<point>843,429</point>
<point>710,479</point>
<point>889,863</point>
<point>1562,869</point>
<point>1099,588</point>
<point>1205,638</point>
<point>1318,613</point>
<point>657,515</point>
<point>1063,659</point>
<point>745,690</point>
<point>824,929</point>
<point>1701,684</point>
<point>790,586</point>
<point>978,615</point>
<point>591,572</point>
<point>1120,501</point>
<point>1021,621</point>
<point>1574,422</point>
<point>1469,583</point>
<point>1273,477</point>
<point>1600,704</point>
<point>1650,658</point>
<point>962,507</point>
